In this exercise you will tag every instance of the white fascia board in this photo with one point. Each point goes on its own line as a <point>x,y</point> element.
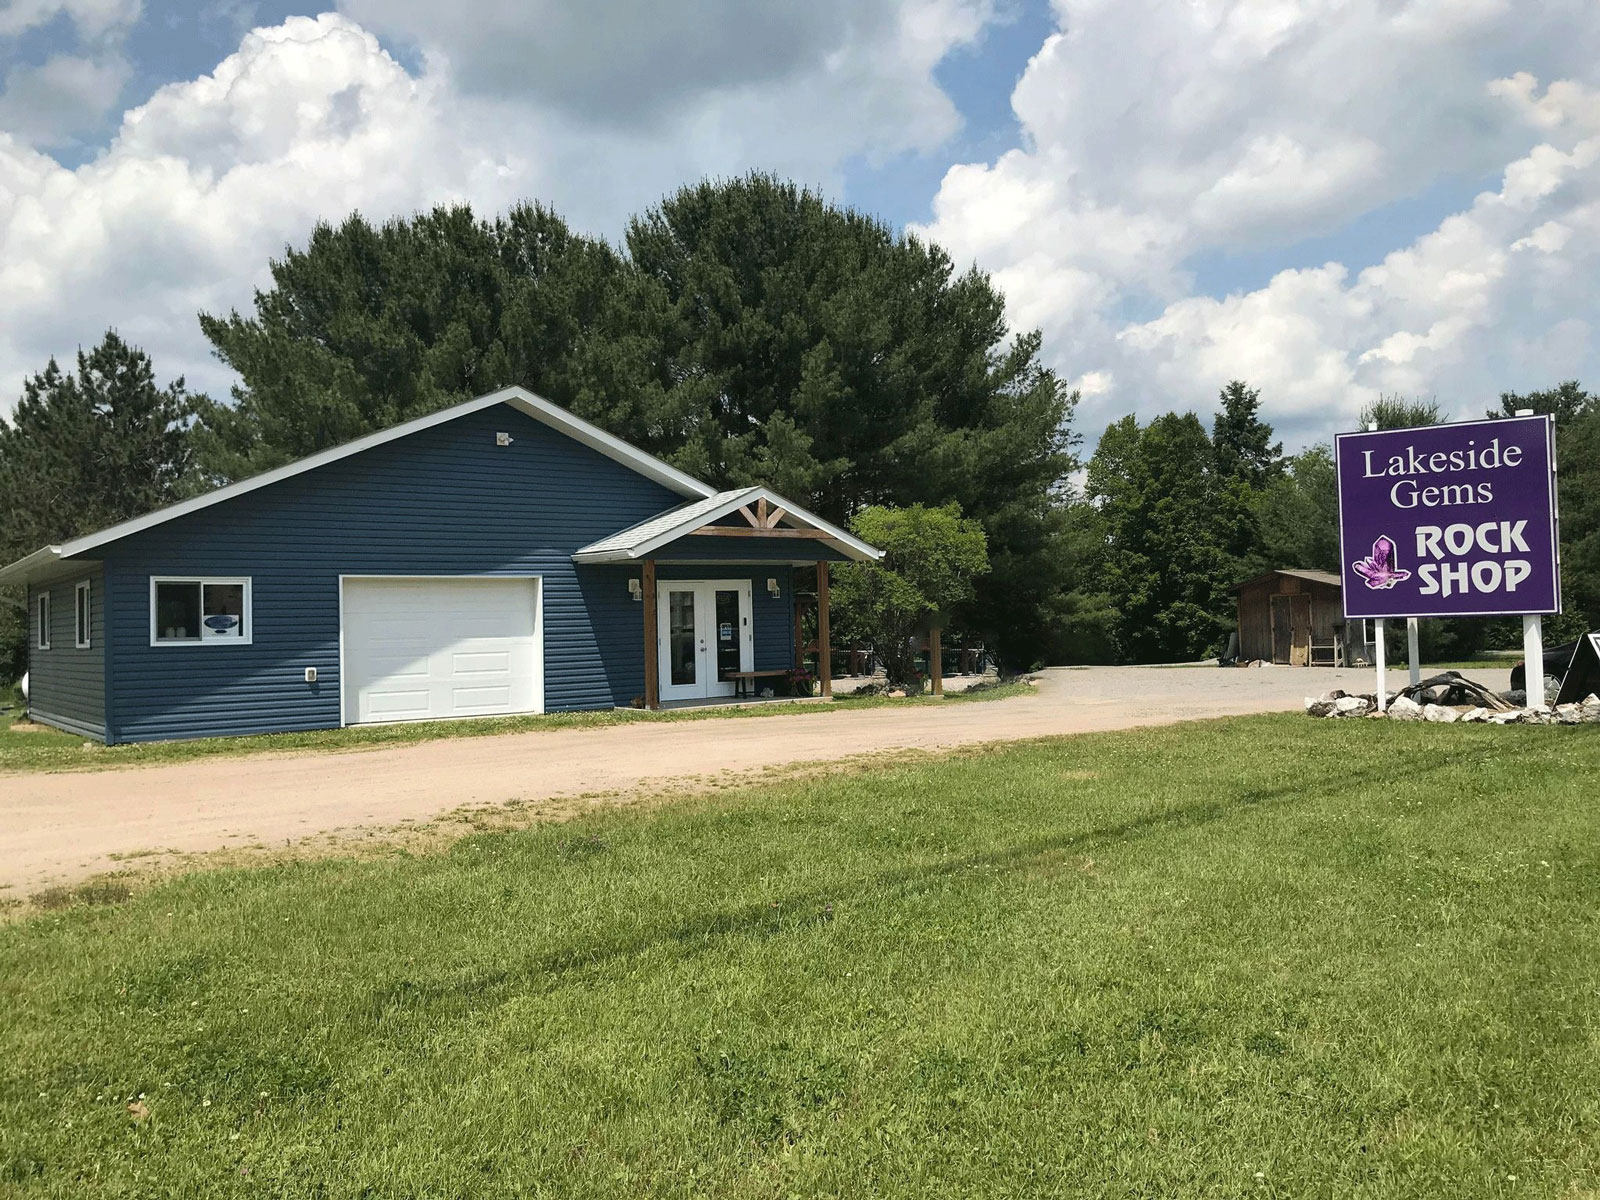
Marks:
<point>25,570</point>
<point>848,543</point>
<point>519,398</point>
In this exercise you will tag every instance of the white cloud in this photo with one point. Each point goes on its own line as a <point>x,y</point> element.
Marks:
<point>1155,132</point>
<point>65,94</point>
<point>312,119</point>
<point>93,18</point>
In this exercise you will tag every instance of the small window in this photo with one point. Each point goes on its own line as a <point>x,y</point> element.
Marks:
<point>81,615</point>
<point>41,639</point>
<point>199,612</point>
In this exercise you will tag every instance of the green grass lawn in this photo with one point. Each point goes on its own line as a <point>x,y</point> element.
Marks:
<point>39,749</point>
<point>1260,957</point>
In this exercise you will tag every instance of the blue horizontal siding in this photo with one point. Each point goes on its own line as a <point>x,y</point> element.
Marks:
<point>445,501</point>
<point>66,685</point>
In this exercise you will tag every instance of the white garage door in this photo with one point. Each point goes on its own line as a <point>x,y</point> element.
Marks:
<point>421,649</point>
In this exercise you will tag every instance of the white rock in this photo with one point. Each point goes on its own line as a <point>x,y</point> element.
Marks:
<point>1402,708</point>
<point>1439,714</point>
<point>1475,716</point>
<point>1350,706</point>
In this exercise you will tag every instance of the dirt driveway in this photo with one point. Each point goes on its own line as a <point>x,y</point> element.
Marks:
<point>62,827</point>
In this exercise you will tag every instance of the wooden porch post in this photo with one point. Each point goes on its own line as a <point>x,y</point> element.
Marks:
<point>824,650</point>
<point>936,661</point>
<point>652,654</point>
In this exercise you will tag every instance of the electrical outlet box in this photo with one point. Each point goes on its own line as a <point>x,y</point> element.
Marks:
<point>311,674</point>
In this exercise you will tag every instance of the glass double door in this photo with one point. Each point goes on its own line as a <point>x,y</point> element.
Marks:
<point>703,631</point>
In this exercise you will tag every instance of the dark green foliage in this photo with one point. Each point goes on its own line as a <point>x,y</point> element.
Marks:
<point>1297,514</point>
<point>1167,518</point>
<point>932,558</point>
<point>1567,402</point>
<point>1242,440</point>
<point>1577,415</point>
<point>754,332</point>
<point>82,451</point>
<point>367,327</point>
<point>1396,412</point>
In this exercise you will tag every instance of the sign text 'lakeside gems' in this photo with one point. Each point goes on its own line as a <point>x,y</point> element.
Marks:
<point>1449,520</point>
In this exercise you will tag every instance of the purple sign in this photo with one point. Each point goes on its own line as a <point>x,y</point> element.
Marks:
<point>1449,520</point>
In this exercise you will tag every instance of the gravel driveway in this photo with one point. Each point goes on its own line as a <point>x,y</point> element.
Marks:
<point>62,827</point>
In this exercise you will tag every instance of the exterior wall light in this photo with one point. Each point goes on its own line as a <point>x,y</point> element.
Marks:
<point>772,588</point>
<point>636,589</point>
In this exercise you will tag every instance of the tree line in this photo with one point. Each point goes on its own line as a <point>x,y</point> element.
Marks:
<point>745,331</point>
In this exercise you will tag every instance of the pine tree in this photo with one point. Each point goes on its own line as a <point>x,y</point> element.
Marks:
<point>86,450</point>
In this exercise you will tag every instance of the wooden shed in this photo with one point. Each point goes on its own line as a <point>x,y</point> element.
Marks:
<point>1296,617</point>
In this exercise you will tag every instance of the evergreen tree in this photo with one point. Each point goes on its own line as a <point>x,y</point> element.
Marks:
<point>752,332</point>
<point>1242,441</point>
<point>86,450</point>
<point>1164,564</point>
<point>370,326</point>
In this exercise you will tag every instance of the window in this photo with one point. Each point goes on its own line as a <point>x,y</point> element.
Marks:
<point>41,639</point>
<point>199,612</point>
<point>81,615</point>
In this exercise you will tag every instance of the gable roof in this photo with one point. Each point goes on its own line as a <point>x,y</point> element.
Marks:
<point>519,398</point>
<point>1327,577</point>
<point>637,541</point>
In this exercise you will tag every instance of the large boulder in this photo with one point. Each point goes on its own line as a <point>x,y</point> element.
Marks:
<point>1403,709</point>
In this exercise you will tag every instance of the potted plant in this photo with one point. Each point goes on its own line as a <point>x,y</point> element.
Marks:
<point>800,681</point>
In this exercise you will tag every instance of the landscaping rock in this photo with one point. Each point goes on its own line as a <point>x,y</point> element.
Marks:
<point>1475,716</point>
<point>1352,706</point>
<point>1402,708</point>
<point>1439,714</point>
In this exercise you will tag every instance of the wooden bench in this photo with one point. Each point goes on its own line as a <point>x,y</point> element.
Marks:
<point>744,681</point>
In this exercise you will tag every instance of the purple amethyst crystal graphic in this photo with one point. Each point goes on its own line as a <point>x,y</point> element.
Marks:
<point>1379,571</point>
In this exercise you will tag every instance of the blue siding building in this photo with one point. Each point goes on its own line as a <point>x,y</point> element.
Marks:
<point>501,556</point>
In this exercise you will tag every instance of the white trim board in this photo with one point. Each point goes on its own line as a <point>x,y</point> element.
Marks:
<point>519,398</point>
<point>659,531</point>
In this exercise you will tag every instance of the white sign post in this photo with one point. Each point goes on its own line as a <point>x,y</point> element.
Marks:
<point>1533,659</point>
<point>1411,650</point>
<point>1383,701</point>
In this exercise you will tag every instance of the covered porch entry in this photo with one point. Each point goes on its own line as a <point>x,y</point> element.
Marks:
<point>717,580</point>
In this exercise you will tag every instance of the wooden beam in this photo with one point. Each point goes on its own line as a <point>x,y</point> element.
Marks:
<point>744,511</point>
<point>816,535</point>
<point>774,517</point>
<point>761,512</point>
<point>652,651</point>
<point>936,661</point>
<point>824,651</point>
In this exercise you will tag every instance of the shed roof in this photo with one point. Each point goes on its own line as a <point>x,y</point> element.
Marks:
<point>638,541</point>
<point>1327,577</point>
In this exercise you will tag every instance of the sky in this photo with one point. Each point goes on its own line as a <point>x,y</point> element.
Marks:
<point>1331,199</point>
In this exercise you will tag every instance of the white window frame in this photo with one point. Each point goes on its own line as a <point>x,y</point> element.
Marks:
<point>41,615</point>
<point>203,580</point>
<point>83,615</point>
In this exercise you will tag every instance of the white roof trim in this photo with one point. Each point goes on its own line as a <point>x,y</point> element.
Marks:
<point>638,541</point>
<point>521,399</point>
<point>25,570</point>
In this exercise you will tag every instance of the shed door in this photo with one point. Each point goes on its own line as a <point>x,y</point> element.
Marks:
<point>1300,624</point>
<point>424,649</point>
<point>1281,633</point>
